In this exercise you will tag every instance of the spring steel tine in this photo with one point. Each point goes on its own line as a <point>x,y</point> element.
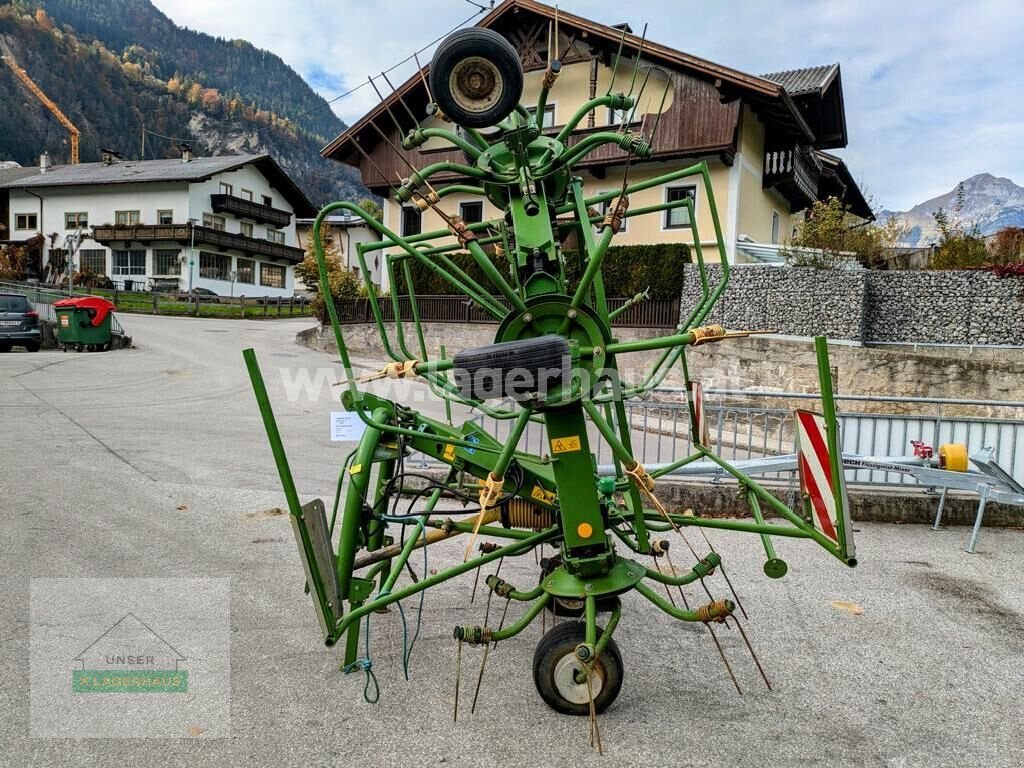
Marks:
<point>721,567</point>
<point>615,66</point>
<point>667,590</point>
<point>595,730</point>
<point>504,613</point>
<point>636,65</point>
<point>400,99</point>
<point>476,581</point>
<point>752,654</point>
<point>387,108</point>
<point>480,678</point>
<point>721,652</point>
<point>490,592</point>
<point>668,558</point>
<point>458,675</point>
<point>376,167</point>
<point>419,70</point>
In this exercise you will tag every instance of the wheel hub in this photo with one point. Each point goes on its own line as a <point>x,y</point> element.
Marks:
<point>571,683</point>
<point>475,84</point>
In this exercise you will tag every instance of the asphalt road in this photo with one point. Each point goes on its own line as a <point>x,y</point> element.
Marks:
<point>152,463</point>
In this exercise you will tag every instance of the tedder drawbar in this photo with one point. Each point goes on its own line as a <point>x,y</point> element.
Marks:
<point>554,361</point>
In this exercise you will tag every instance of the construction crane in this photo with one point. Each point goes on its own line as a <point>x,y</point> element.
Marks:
<point>48,103</point>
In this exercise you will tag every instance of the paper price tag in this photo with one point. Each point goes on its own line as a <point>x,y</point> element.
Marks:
<point>346,426</point>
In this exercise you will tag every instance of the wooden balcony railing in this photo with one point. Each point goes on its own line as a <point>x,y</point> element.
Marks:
<point>247,209</point>
<point>185,234</point>
<point>795,172</point>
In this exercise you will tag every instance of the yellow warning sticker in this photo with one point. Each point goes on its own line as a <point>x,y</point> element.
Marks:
<point>356,469</point>
<point>565,444</point>
<point>548,497</point>
<point>449,452</point>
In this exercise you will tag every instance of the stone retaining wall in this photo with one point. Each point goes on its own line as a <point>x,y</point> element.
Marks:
<point>927,307</point>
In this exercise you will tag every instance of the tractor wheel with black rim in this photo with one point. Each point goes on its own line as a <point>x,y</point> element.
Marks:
<point>476,77</point>
<point>557,670</point>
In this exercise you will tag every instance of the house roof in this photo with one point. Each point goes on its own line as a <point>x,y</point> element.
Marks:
<point>174,170</point>
<point>13,174</point>
<point>800,82</point>
<point>759,90</point>
<point>837,180</point>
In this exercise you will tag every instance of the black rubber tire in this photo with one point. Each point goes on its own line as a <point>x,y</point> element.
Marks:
<point>485,44</point>
<point>553,647</point>
<point>6,347</point>
<point>32,346</point>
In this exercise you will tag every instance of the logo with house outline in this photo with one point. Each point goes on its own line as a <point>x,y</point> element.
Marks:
<point>130,657</point>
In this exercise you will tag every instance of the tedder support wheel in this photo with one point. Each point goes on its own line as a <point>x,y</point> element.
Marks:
<point>476,77</point>
<point>556,671</point>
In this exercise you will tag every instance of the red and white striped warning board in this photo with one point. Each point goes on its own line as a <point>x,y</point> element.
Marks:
<point>815,468</point>
<point>700,424</point>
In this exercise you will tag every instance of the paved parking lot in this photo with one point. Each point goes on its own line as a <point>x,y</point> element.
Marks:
<point>152,463</point>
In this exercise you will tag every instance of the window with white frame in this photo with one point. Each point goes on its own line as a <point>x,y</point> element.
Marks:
<point>93,261</point>
<point>272,275</point>
<point>268,201</point>
<point>75,219</point>
<point>126,218</point>
<point>679,218</point>
<point>776,227</point>
<point>165,217</point>
<point>549,115</point>
<point>247,194</point>
<point>246,269</point>
<point>166,261</point>
<point>245,228</point>
<point>275,235</point>
<point>214,266</point>
<point>131,262</point>
<point>25,221</point>
<point>226,189</point>
<point>213,222</point>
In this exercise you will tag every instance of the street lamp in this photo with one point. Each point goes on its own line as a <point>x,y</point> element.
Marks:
<point>191,253</point>
<point>234,274</point>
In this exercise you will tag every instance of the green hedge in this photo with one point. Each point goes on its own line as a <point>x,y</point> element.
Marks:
<point>627,270</point>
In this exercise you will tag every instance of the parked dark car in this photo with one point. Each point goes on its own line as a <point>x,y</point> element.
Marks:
<point>19,324</point>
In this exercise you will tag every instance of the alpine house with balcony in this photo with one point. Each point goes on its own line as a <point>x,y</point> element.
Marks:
<point>765,137</point>
<point>225,224</point>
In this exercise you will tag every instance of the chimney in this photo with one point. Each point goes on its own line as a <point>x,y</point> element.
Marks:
<point>110,156</point>
<point>44,162</point>
<point>186,153</point>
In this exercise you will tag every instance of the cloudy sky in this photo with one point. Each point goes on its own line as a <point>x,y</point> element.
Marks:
<point>934,90</point>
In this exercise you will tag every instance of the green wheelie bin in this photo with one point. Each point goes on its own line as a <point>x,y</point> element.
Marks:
<point>84,322</point>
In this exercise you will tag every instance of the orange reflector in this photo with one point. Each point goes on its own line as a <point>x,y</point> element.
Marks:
<point>585,530</point>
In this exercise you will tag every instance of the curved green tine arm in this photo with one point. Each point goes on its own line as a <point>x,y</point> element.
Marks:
<point>418,137</point>
<point>678,613</point>
<point>614,100</point>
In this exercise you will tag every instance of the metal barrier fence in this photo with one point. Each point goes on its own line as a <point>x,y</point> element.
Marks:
<point>753,425</point>
<point>653,313</point>
<point>43,297</point>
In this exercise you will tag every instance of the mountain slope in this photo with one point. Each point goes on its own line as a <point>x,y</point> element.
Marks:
<point>234,67</point>
<point>989,201</point>
<point>110,94</point>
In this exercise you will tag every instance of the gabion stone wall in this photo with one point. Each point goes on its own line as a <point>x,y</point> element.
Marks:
<point>947,307</point>
<point>963,307</point>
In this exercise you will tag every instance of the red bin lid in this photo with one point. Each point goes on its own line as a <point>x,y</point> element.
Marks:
<point>98,303</point>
